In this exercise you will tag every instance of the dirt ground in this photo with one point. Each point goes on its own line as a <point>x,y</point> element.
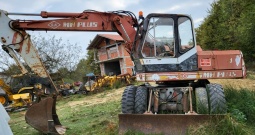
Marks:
<point>111,95</point>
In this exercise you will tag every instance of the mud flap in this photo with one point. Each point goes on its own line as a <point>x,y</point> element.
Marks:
<point>43,117</point>
<point>167,124</point>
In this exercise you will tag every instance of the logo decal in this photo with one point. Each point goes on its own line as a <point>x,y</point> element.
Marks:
<point>53,24</point>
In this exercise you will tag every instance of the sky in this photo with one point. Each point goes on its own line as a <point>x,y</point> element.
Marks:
<point>197,9</point>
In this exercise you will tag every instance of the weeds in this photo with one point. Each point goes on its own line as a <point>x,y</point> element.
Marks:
<point>118,84</point>
<point>250,75</point>
<point>226,126</point>
<point>241,104</point>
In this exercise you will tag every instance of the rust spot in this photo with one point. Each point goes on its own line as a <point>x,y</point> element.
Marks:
<point>28,47</point>
<point>15,37</point>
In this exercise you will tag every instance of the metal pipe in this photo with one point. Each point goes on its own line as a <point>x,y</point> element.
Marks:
<point>24,14</point>
<point>185,103</point>
<point>149,106</point>
<point>156,102</point>
<point>191,107</point>
<point>125,32</point>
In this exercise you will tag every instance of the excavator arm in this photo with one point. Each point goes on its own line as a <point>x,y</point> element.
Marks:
<point>122,22</point>
<point>16,41</point>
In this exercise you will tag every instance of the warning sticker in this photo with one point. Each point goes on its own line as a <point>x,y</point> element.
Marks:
<point>205,62</point>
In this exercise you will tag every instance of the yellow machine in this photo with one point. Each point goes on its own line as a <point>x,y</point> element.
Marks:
<point>97,82</point>
<point>17,100</point>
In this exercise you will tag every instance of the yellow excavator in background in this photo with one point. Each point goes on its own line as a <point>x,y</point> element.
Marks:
<point>95,83</point>
<point>16,94</point>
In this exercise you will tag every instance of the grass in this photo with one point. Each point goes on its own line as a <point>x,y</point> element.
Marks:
<point>98,119</point>
<point>80,115</point>
<point>98,114</point>
<point>241,104</point>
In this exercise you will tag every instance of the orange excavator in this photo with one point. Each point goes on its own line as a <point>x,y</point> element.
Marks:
<point>176,92</point>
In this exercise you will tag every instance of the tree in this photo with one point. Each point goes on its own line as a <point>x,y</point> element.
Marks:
<point>80,71</point>
<point>229,25</point>
<point>56,53</point>
<point>91,63</point>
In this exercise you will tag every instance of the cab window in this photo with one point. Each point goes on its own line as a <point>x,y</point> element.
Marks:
<point>159,40</point>
<point>186,38</point>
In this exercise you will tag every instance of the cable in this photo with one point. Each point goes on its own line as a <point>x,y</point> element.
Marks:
<point>23,38</point>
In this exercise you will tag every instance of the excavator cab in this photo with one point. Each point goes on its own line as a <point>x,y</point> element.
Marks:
<point>165,39</point>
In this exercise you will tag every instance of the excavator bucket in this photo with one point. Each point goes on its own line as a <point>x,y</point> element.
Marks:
<point>43,117</point>
<point>167,124</point>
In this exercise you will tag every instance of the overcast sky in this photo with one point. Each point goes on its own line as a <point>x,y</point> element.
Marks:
<point>197,9</point>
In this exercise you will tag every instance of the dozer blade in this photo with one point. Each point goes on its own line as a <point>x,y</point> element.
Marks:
<point>167,124</point>
<point>43,117</point>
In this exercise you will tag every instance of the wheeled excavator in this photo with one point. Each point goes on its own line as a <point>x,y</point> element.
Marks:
<point>176,92</point>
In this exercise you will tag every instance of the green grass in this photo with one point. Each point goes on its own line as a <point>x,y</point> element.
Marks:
<point>80,120</point>
<point>251,75</point>
<point>241,104</point>
<point>98,119</point>
<point>102,118</point>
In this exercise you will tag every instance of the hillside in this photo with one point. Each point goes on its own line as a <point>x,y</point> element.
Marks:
<point>98,114</point>
<point>81,114</point>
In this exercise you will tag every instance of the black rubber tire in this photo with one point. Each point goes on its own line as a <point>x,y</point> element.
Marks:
<point>141,99</point>
<point>217,101</point>
<point>5,100</point>
<point>128,100</point>
<point>202,106</point>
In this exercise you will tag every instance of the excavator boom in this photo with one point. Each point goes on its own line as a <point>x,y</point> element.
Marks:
<point>16,41</point>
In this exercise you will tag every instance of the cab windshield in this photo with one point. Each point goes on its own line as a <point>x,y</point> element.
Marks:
<point>159,40</point>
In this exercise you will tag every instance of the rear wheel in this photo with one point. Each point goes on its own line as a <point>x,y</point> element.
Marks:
<point>4,100</point>
<point>217,101</point>
<point>141,100</point>
<point>201,100</point>
<point>128,100</point>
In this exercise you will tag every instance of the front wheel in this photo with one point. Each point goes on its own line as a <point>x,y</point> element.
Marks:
<point>217,101</point>
<point>141,100</point>
<point>128,100</point>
